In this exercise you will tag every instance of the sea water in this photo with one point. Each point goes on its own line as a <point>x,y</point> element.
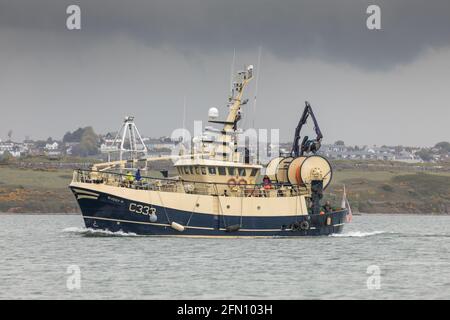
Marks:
<point>376,257</point>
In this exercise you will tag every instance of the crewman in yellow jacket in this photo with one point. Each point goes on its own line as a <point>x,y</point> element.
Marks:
<point>129,178</point>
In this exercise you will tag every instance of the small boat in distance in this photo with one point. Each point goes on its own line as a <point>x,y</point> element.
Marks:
<point>217,192</point>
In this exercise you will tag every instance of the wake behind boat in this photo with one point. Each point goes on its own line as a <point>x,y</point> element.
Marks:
<point>218,192</point>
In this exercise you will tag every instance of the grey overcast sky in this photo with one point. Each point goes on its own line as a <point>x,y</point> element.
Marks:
<point>388,86</point>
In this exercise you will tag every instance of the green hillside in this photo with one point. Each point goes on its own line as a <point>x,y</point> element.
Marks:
<point>376,190</point>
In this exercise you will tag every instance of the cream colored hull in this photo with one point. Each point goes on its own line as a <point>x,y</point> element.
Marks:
<point>207,204</point>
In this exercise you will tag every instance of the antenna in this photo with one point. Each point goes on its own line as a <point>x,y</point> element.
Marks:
<point>256,85</point>
<point>184,116</point>
<point>232,71</point>
<point>184,112</point>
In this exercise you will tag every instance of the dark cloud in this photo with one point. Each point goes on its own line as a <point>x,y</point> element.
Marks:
<point>144,57</point>
<point>290,29</point>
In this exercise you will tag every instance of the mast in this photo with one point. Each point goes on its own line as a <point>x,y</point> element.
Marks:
<point>227,143</point>
<point>242,79</point>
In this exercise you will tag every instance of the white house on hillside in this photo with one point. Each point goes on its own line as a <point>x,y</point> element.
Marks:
<point>51,146</point>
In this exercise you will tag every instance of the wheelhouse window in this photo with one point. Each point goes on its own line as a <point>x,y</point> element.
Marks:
<point>231,171</point>
<point>242,172</point>
<point>197,170</point>
<point>254,172</point>
<point>203,169</point>
<point>191,169</point>
<point>222,171</point>
<point>212,170</point>
<point>186,171</point>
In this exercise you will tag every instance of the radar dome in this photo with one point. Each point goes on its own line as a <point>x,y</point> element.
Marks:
<point>213,113</point>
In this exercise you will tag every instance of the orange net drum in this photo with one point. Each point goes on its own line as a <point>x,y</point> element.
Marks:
<point>294,171</point>
<point>303,170</point>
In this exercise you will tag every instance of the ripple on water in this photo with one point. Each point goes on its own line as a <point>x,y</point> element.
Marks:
<point>412,252</point>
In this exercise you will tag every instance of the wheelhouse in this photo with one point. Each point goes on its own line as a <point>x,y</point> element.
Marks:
<point>225,172</point>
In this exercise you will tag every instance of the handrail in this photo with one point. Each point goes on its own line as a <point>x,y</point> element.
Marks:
<point>108,165</point>
<point>186,186</point>
<point>192,181</point>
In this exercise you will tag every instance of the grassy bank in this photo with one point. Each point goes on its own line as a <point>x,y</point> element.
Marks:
<point>393,191</point>
<point>377,189</point>
<point>36,191</point>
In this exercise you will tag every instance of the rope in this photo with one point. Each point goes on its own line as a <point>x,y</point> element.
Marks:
<point>189,220</point>
<point>242,207</point>
<point>220,207</point>
<point>164,207</point>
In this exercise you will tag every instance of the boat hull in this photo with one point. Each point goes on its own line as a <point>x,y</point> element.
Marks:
<point>103,211</point>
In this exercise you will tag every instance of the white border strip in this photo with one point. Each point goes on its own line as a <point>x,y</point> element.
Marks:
<point>82,196</point>
<point>81,191</point>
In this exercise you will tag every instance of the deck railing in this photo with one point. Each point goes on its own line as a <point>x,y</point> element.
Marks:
<point>183,186</point>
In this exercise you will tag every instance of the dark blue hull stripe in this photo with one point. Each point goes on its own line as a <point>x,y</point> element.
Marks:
<point>200,228</point>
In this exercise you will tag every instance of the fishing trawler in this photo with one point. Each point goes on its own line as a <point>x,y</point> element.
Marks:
<point>217,192</point>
